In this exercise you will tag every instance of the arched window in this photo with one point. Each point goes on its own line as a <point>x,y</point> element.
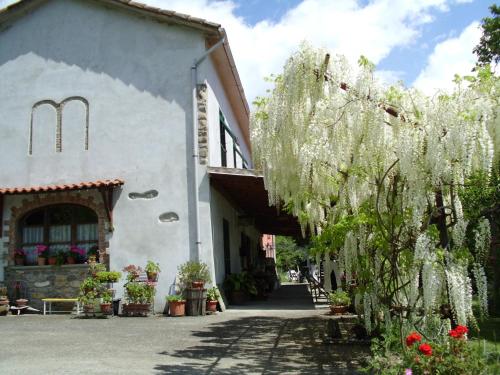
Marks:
<point>59,227</point>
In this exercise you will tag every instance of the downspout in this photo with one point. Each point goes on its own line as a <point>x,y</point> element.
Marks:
<point>194,87</point>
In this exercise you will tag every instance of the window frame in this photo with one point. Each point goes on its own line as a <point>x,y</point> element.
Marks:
<point>47,225</point>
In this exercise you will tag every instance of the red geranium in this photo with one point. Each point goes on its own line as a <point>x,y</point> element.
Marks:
<point>425,349</point>
<point>458,332</point>
<point>413,338</point>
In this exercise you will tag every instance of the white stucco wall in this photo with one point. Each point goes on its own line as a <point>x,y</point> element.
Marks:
<point>135,74</point>
<point>217,100</point>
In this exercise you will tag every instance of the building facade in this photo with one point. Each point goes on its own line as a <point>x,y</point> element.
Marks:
<point>113,115</point>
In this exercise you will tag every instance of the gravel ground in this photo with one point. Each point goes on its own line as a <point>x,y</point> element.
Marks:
<point>281,336</point>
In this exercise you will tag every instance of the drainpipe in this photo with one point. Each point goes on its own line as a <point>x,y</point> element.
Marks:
<point>194,84</point>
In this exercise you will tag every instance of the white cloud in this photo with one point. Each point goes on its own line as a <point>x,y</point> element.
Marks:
<point>450,57</point>
<point>342,26</point>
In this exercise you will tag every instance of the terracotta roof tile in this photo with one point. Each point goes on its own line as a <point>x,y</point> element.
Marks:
<point>62,187</point>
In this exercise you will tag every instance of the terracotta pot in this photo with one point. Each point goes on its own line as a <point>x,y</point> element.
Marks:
<point>106,308</point>
<point>71,260</point>
<point>42,261</point>
<point>21,302</point>
<point>52,261</point>
<point>338,310</point>
<point>4,302</point>
<point>88,308</point>
<point>212,306</point>
<point>177,308</point>
<point>19,261</point>
<point>152,276</point>
<point>197,284</point>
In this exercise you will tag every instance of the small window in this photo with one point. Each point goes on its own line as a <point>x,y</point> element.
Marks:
<point>223,149</point>
<point>59,227</point>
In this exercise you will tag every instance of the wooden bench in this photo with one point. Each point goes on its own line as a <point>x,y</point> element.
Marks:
<point>50,300</point>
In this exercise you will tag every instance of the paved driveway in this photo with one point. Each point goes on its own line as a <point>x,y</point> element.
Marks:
<point>260,339</point>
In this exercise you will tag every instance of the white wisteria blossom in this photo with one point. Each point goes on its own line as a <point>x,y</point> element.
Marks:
<point>350,157</point>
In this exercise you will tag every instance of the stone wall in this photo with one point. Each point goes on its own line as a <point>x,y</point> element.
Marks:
<point>47,281</point>
<point>202,124</point>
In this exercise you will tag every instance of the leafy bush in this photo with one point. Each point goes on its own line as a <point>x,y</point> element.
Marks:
<point>140,292</point>
<point>152,267</point>
<point>454,355</point>
<point>193,271</point>
<point>108,276</point>
<point>339,298</point>
<point>240,282</point>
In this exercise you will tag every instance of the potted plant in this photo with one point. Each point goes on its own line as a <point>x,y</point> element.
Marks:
<point>60,258</point>
<point>108,276</point>
<point>139,298</point>
<point>106,303</point>
<point>133,272</point>
<point>88,301</point>
<point>339,302</point>
<point>212,299</point>
<point>89,284</point>
<point>42,252</point>
<point>76,254</point>
<point>176,305</point>
<point>152,270</point>
<point>238,285</point>
<point>193,274</point>
<point>19,257</point>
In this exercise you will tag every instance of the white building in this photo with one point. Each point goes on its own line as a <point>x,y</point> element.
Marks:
<point>103,104</point>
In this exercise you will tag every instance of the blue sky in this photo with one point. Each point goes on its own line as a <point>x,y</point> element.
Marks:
<point>409,60</point>
<point>420,42</point>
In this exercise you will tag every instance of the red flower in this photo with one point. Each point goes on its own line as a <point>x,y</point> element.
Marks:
<point>413,338</point>
<point>458,332</point>
<point>425,349</point>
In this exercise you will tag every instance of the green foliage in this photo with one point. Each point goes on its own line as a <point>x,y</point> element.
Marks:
<point>140,292</point>
<point>193,271</point>
<point>60,257</point>
<point>108,276</point>
<point>339,298</point>
<point>288,254</point>
<point>106,296</point>
<point>175,298</point>
<point>451,356</point>
<point>240,282</point>
<point>480,195</point>
<point>90,284</point>
<point>152,267</point>
<point>488,49</point>
<point>454,357</point>
<point>95,268</point>
<point>213,294</point>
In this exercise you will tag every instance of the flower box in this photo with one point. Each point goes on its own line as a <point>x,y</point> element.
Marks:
<point>136,309</point>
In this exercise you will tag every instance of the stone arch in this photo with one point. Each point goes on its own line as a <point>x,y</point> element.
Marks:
<point>38,201</point>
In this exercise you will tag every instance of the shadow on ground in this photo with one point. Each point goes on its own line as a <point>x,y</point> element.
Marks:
<point>264,345</point>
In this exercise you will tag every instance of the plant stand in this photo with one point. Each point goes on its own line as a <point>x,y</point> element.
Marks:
<point>196,301</point>
<point>136,309</point>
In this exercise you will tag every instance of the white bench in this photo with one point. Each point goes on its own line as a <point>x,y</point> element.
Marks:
<point>50,300</point>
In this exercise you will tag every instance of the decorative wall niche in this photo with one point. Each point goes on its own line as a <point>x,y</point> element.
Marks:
<point>168,217</point>
<point>149,194</point>
<point>50,120</point>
